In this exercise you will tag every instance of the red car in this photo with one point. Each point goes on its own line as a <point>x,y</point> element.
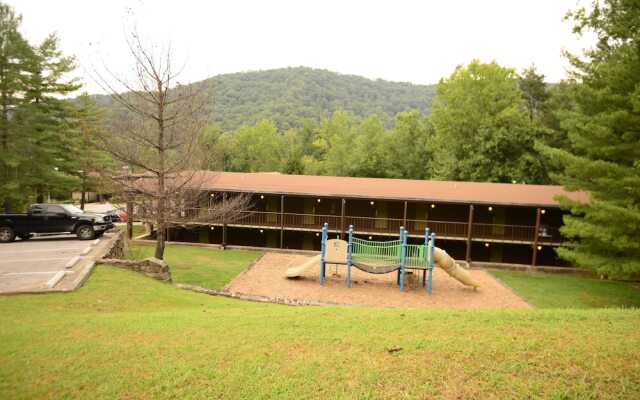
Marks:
<point>117,215</point>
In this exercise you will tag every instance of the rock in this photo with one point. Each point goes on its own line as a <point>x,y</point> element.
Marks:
<point>151,267</point>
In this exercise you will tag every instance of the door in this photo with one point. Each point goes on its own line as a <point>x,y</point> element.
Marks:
<point>56,220</point>
<point>36,219</point>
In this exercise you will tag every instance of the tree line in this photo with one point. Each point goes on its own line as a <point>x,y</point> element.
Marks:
<point>289,96</point>
<point>484,126</point>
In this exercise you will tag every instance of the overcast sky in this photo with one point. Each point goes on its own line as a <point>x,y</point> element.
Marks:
<point>398,40</point>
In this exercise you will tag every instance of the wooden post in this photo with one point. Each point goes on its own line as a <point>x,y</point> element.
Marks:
<point>224,225</point>
<point>469,228</point>
<point>344,202</point>
<point>535,239</point>
<point>404,216</point>
<point>282,221</point>
<point>129,216</point>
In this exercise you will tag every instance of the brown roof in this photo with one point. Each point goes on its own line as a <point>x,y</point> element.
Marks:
<point>393,189</point>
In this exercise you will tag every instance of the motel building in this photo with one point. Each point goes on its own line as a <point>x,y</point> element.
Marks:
<point>476,222</point>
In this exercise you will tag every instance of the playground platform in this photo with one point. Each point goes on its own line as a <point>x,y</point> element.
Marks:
<point>267,278</point>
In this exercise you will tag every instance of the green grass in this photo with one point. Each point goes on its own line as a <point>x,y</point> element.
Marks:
<point>563,291</point>
<point>138,229</point>
<point>126,336</point>
<point>200,266</point>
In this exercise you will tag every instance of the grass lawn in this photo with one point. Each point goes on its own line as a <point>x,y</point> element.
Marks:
<point>200,266</point>
<point>123,335</point>
<point>564,291</point>
<point>138,229</point>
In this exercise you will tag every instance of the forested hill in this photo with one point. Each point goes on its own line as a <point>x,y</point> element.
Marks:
<point>289,95</point>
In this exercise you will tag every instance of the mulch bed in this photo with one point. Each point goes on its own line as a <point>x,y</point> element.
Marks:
<point>266,278</point>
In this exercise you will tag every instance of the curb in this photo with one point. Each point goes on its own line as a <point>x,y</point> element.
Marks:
<point>255,298</point>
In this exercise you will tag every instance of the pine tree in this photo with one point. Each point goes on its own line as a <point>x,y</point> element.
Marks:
<point>45,119</point>
<point>89,166</point>
<point>534,91</point>
<point>15,53</point>
<point>33,154</point>
<point>604,130</point>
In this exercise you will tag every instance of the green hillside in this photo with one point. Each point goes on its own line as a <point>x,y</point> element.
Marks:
<point>287,96</point>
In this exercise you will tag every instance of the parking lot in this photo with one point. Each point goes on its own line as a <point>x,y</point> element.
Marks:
<point>41,263</point>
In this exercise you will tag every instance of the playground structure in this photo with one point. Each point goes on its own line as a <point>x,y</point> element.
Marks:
<point>385,257</point>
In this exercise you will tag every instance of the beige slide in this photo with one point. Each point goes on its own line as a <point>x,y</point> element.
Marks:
<point>449,266</point>
<point>296,271</point>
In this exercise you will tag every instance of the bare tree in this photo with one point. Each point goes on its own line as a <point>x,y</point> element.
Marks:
<point>156,132</point>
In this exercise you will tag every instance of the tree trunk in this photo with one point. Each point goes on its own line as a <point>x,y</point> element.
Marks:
<point>161,229</point>
<point>161,209</point>
<point>5,144</point>
<point>82,199</point>
<point>129,217</point>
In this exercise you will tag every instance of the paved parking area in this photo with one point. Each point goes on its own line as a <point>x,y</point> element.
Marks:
<point>40,263</point>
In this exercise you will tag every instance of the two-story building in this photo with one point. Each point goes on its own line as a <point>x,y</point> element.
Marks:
<point>491,222</point>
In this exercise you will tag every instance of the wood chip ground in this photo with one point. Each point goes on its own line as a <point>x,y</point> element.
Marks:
<point>267,278</point>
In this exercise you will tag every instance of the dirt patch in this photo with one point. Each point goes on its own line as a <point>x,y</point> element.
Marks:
<point>267,278</point>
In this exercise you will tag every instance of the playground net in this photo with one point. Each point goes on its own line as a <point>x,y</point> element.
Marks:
<point>387,254</point>
<point>376,254</point>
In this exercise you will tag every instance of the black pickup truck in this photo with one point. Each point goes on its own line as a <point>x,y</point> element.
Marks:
<point>53,218</point>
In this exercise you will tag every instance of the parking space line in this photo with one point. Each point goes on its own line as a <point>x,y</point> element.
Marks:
<point>33,259</point>
<point>28,273</point>
<point>33,251</point>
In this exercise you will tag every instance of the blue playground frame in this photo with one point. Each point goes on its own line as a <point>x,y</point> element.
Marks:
<point>421,256</point>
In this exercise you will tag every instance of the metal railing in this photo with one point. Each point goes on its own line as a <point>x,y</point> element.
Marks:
<point>382,226</point>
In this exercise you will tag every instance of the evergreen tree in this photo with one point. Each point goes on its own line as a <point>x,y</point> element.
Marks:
<point>534,91</point>
<point>33,153</point>
<point>603,128</point>
<point>89,166</point>
<point>44,122</point>
<point>15,54</point>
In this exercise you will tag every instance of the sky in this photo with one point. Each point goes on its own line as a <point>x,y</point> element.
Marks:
<point>397,40</point>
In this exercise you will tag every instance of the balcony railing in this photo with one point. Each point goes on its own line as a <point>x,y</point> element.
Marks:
<point>376,226</point>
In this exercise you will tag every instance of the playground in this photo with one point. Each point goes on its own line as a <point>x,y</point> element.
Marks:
<point>267,278</point>
<point>364,272</point>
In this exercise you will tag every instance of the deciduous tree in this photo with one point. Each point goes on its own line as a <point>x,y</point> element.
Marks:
<point>481,130</point>
<point>157,135</point>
